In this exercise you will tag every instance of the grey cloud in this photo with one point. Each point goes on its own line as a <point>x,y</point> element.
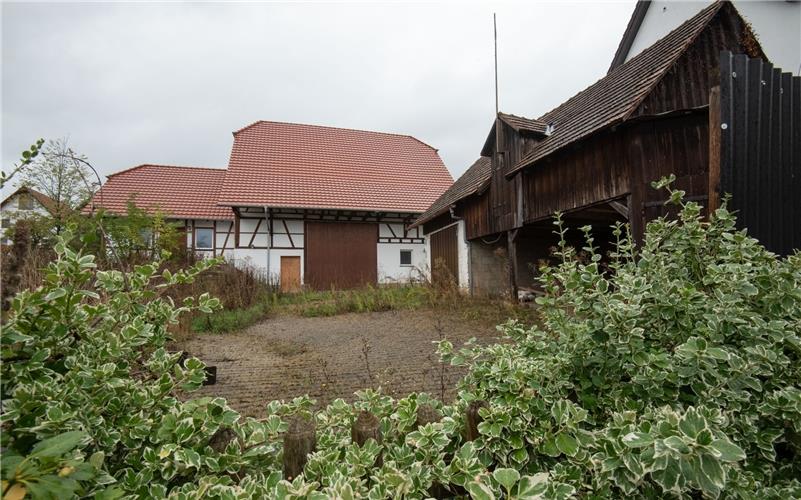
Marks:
<point>168,83</point>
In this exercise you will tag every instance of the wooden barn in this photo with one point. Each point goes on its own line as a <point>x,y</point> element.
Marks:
<point>670,109</point>
<point>321,206</point>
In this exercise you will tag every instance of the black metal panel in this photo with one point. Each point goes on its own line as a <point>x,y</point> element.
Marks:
<point>761,149</point>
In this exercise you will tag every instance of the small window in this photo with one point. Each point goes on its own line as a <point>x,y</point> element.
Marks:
<point>406,257</point>
<point>25,201</point>
<point>204,238</point>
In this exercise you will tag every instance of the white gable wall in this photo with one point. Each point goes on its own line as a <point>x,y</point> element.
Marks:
<point>777,25</point>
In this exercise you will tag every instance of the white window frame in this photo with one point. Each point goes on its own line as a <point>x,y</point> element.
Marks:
<point>196,238</point>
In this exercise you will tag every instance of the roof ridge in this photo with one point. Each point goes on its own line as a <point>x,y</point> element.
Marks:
<point>278,122</point>
<point>142,165</point>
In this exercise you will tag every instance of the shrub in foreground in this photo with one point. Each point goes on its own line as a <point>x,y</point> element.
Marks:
<point>675,373</point>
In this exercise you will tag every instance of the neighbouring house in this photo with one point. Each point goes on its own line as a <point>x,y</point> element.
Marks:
<point>22,203</point>
<point>777,24</point>
<point>701,103</point>
<point>308,205</point>
<point>187,195</point>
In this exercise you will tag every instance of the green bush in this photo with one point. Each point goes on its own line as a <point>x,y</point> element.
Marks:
<point>675,371</point>
<point>672,372</point>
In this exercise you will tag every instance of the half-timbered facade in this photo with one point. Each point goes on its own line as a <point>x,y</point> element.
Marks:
<point>308,205</point>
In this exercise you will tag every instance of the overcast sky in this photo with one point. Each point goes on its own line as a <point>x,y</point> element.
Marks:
<point>168,83</point>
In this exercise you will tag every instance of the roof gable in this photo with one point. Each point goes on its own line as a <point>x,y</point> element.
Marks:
<point>178,192</point>
<point>42,199</point>
<point>614,98</point>
<point>472,181</point>
<point>520,124</point>
<point>309,166</point>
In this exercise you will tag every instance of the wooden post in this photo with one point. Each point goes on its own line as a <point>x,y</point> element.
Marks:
<point>299,441</point>
<point>427,414</point>
<point>473,419</point>
<point>511,242</point>
<point>366,426</point>
<point>713,202</point>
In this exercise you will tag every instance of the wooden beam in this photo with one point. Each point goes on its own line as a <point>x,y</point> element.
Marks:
<point>255,231</point>
<point>620,208</point>
<point>227,235</point>
<point>713,202</point>
<point>286,228</point>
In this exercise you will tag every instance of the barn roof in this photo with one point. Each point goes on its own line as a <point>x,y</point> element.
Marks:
<point>520,124</point>
<point>472,181</point>
<point>309,166</point>
<point>45,201</point>
<point>613,98</point>
<point>178,192</point>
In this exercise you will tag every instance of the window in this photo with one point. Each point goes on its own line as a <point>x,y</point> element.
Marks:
<point>406,257</point>
<point>204,238</point>
<point>25,201</point>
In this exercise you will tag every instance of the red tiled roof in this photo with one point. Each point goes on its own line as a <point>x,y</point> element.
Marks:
<point>178,192</point>
<point>613,98</point>
<point>309,166</point>
<point>472,181</point>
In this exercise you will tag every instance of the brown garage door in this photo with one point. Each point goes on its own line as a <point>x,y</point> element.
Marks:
<point>444,256</point>
<point>340,254</point>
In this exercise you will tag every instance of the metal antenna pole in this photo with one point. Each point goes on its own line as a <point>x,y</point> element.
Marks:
<point>495,33</point>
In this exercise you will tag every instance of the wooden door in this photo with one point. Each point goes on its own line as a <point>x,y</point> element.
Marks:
<point>290,274</point>
<point>341,254</point>
<point>445,256</point>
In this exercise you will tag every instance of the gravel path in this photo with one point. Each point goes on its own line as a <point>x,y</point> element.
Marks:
<point>285,357</point>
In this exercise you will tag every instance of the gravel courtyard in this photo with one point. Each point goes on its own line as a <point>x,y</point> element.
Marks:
<point>324,357</point>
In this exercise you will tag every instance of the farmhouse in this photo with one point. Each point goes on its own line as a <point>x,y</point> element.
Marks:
<point>23,203</point>
<point>323,206</point>
<point>722,123</point>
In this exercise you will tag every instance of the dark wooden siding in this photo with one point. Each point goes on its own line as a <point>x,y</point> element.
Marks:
<point>340,254</point>
<point>475,211</point>
<point>761,149</point>
<point>577,177</point>
<point>445,254</point>
<point>677,145</point>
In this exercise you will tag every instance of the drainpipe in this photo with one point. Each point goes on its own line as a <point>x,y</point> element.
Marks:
<point>268,216</point>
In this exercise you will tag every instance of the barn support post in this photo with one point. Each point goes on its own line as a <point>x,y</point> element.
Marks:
<point>635,201</point>
<point>713,202</point>
<point>511,244</point>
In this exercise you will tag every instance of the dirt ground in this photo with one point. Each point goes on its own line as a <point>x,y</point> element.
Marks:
<point>331,357</point>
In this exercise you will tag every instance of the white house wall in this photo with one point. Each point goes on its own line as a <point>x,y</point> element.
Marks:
<point>777,24</point>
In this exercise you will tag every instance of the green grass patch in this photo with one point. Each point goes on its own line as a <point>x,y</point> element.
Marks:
<point>229,320</point>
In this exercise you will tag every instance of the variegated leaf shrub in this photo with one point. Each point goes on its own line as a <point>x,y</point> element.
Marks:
<point>675,373</point>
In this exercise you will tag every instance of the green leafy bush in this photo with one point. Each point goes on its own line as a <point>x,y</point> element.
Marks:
<point>672,372</point>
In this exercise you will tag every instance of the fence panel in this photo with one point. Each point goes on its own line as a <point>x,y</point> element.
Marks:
<point>760,149</point>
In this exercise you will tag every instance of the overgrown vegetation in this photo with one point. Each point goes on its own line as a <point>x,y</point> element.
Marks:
<point>674,372</point>
<point>380,298</point>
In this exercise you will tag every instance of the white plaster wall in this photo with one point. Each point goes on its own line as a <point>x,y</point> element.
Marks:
<point>464,256</point>
<point>259,258</point>
<point>777,25</point>
<point>389,267</point>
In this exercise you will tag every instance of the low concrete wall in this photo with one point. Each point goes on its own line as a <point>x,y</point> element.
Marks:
<point>489,268</point>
